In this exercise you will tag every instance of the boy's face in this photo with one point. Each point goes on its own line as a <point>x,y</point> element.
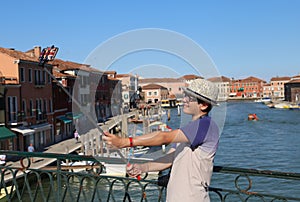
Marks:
<point>190,105</point>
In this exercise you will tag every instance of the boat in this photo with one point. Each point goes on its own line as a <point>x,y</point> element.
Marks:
<point>77,166</point>
<point>179,102</point>
<point>81,166</point>
<point>134,120</point>
<point>113,168</point>
<point>165,103</point>
<point>115,164</point>
<point>139,151</point>
<point>264,100</point>
<point>159,126</point>
<point>294,107</point>
<point>170,103</point>
<point>281,106</point>
<point>9,190</point>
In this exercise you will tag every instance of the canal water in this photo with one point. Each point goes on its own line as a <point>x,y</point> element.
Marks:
<point>271,143</point>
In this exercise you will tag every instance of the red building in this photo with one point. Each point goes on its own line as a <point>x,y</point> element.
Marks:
<point>250,87</point>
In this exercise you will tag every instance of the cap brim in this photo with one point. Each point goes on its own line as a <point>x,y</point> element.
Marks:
<point>199,96</point>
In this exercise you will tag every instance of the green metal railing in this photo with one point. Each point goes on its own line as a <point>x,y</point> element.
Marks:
<point>22,182</point>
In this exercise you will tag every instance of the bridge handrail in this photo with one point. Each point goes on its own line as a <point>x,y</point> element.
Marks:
<point>63,178</point>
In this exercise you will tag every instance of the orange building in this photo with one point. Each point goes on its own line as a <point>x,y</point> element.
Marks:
<point>28,98</point>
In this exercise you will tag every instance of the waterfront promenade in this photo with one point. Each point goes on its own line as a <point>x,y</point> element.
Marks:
<point>67,146</point>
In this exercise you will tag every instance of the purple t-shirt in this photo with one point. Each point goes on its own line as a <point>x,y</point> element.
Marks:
<point>203,133</point>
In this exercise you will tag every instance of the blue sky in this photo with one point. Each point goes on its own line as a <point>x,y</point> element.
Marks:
<point>258,38</point>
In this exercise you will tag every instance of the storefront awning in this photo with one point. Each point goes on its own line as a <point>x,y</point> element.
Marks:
<point>24,131</point>
<point>41,127</point>
<point>32,129</point>
<point>74,115</point>
<point>64,119</point>
<point>5,133</point>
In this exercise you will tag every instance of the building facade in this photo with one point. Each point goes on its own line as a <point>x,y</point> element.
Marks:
<point>129,84</point>
<point>174,85</point>
<point>277,87</point>
<point>28,99</point>
<point>292,90</point>
<point>250,87</point>
<point>155,93</point>
<point>44,104</point>
<point>223,83</point>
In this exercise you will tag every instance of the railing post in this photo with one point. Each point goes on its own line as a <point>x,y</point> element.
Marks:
<point>59,179</point>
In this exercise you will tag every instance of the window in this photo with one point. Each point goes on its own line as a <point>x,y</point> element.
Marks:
<point>30,75</point>
<point>149,93</point>
<point>155,93</point>
<point>12,108</point>
<point>24,107</point>
<point>39,107</point>
<point>44,77</point>
<point>31,108</point>
<point>22,74</point>
<point>49,78</point>
<point>50,106</point>
<point>45,106</point>
<point>42,137</point>
<point>84,81</point>
<point>37,77</point>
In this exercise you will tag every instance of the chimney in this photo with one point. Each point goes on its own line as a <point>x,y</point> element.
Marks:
<point>37,51</point>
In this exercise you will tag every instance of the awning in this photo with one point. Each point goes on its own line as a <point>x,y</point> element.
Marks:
<point>24,131</point>
<point>72,115</point>
<point>64,119</point>
<point>5,133</point>
<point>34,128</point>
<point>41,127</point>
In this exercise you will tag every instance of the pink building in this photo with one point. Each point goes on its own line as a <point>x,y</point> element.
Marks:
<point>154,93</point>
<point>277,86</point>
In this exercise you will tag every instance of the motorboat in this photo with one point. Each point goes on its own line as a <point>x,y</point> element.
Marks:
<point>264,100</point>
<point>294,107</point>
<point>281,106</point>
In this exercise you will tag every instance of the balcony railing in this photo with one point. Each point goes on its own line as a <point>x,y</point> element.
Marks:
<point>21,181</point>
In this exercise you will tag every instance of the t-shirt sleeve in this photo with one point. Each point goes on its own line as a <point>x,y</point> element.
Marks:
<point>196,131</point>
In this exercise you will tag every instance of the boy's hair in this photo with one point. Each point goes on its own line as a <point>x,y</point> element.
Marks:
<point>209,106</point>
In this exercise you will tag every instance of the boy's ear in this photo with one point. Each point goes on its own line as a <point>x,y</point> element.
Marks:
<point>203,106</point>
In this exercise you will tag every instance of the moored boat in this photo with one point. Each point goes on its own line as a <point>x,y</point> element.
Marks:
<point>281,106</point>
<point>294,107</point>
